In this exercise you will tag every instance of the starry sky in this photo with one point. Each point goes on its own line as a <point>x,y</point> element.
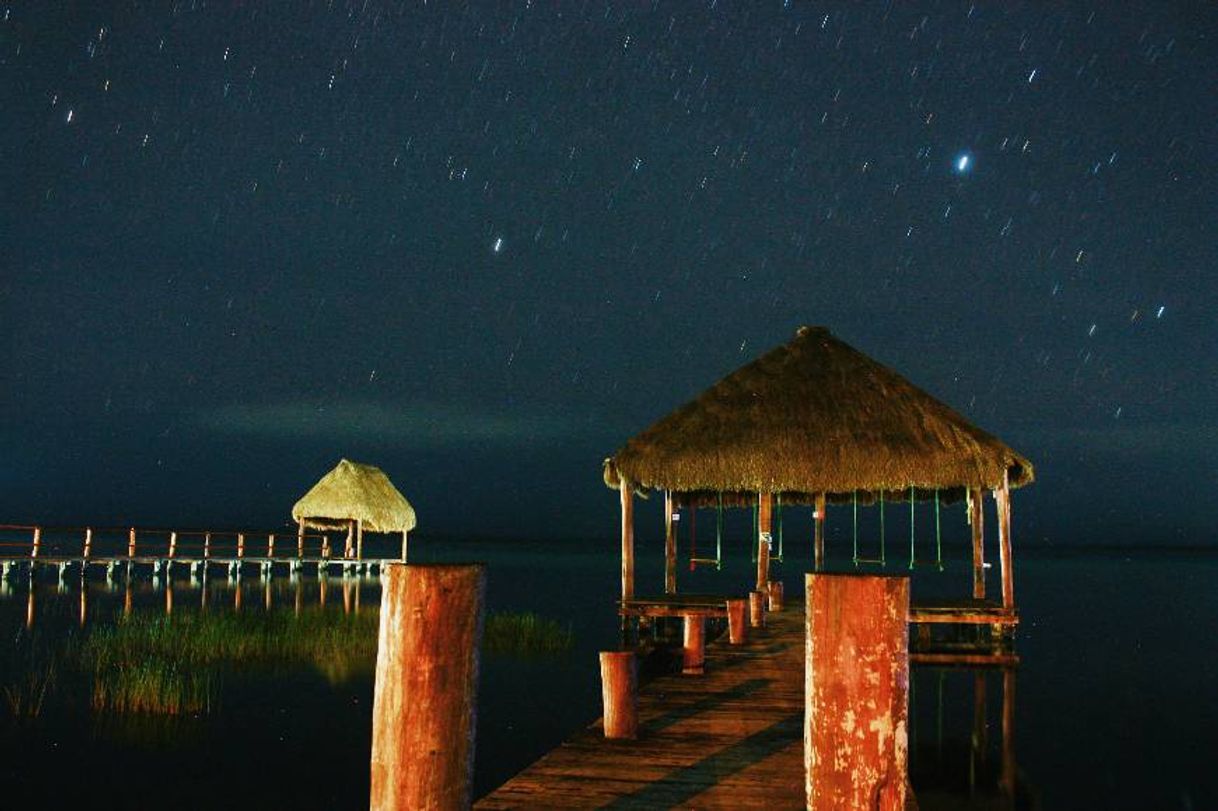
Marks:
<point>481,244</point>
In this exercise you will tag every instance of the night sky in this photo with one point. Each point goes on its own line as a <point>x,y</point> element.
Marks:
<point>480,245</point>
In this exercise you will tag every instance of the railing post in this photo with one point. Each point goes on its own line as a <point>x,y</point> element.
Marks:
<point>240,544</point>
<point>426,687</point>
<point>88,542</point>
<point>37,543</point>
<point>620,694</point>
<point>270,545</point>
<point>856,718</point>
<point>206,545</point>
<point>131,543</point>
<point>173,544</point>
<point>737,625</point>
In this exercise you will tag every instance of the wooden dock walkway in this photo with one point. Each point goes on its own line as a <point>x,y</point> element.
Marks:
<point>731,738</point>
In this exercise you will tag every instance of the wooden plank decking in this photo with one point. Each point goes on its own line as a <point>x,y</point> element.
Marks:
<point>732,738</point>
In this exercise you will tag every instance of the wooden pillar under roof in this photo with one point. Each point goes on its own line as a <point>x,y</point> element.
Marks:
<point>670,546</point>
<point>977,519</point>
<point>1003,498</point>
<point>627,542</point>
<point>818,542</point>
<point>764,503</point>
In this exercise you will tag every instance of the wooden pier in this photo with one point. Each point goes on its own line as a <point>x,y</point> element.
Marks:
<point>30,548</point>
<point>732,738</point>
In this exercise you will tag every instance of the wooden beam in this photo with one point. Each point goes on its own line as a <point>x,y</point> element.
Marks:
<point>424,701</point>
<point>404,533</point>
<point>818,544</point>
<point>855,718</point>
<point>977,519</point>
<point>670,546</point>
<point>1003,498</point>
<point>764,520</point>
<point>627,542</point>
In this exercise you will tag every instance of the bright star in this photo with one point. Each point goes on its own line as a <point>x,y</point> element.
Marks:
<point>963,162</point>
<point>498,244</point>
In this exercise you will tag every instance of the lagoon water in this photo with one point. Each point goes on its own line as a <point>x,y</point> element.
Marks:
<point>1115,703</point>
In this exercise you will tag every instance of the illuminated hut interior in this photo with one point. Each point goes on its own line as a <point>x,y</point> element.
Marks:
<point>357,498</point>
<point>814,422</point>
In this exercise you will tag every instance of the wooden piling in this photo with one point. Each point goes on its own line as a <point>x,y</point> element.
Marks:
<point>764,505</point>
<point>88,542</point>
<point>37,543</point>
<point>173,544</point>
<point>620,694</point>
<point>270,546</point>
<point>240,544</point>
<point>426,684</point>
<point>694,653</point>
<point>131,542</point>
<point>818,538</point>
<point>757,609</point>
<point>856,692</point>
<point>737,627</point>
<point>627,542</point>
<point>404,544</point>
<point>977,519</point>
<point>670,545</point>
<point>774,592</point>
<point>206,549</point>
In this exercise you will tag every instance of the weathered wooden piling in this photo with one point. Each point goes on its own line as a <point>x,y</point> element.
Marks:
<point>620,694</point>
<point>757,609</point>
<point>856,691</point>
<point>737,627</point>
<point>423,714</point>
<point>694,652</point>
<point>774,592</point>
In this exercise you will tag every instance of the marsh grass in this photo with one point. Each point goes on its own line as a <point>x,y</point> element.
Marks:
<point>176,664</point>
<point>29,674</point>
<point>525,634</point>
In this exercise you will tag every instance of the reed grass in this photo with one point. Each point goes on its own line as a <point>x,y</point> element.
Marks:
<point>525,634</point>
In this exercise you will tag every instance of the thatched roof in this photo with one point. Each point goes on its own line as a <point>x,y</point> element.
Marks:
<point>352,491</point>
<point>815,416</point>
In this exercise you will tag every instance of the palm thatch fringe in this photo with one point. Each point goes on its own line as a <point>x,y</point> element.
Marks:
<point>814,416</point>
<point>355,492</point>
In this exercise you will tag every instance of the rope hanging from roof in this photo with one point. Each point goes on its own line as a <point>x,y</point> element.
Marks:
<point>717,560</point>
<point>882,559</point>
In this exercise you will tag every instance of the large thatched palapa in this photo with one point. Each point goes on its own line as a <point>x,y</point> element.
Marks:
<point>812,421</point>
<point>355,497</point>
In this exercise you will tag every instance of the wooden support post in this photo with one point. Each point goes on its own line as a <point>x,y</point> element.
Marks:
<point>349,542</point>
<point>270,546</point>
<point>131,542</point>
<point>359,540</point>
<point>670,546</point>
<point>694,653</point>
<point>240,544</point>
<point>977,519</point>
<point>764,503</point>
<point>173,544</point>
<point>37,543</point>
<point>1002,497</point>
<point>620,694</point>
<point>774,592</point>
<point>627,542</point>
<point>756,609</point>
<point>88,542</point>
<point>425,697</point>
<point>325,547</point>
<point>818,542</point>
<point>206,549</point>
<point>404,546</point>
<point>855,718</point>
<point>300,533</point>
<point>737,626</point>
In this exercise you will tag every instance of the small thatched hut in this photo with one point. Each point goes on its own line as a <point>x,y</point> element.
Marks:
<point>357,498</point>
<point>816,421</point>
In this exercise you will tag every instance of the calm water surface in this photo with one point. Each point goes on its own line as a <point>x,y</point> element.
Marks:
<point>1114,698</point>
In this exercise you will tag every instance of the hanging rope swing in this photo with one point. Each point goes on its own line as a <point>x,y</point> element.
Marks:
<point>717,560</point>
<point>882,559</point>
<point>913,558</point>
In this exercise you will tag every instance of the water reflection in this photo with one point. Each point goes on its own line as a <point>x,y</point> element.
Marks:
<point>954,761</point>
